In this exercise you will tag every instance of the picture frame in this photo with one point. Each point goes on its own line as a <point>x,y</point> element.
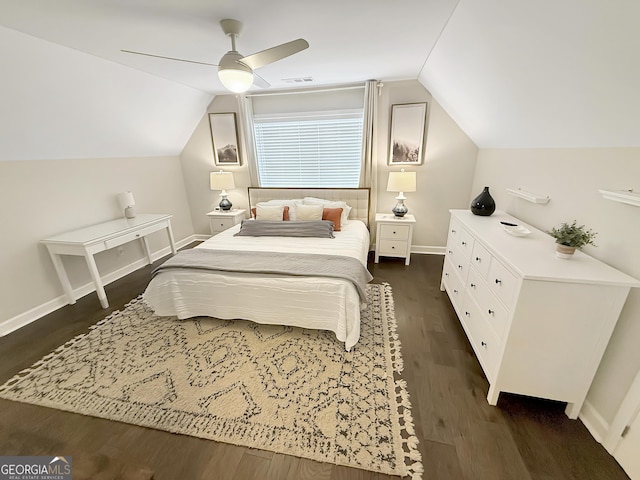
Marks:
<point>224,137</point>
<point>406,133</point>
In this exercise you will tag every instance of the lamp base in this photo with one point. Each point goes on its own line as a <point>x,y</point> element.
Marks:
<point>130,212</point>
<point>400,209</point>
<point>225,205</point>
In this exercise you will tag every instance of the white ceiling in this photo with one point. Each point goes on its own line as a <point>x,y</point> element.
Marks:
<point>549,73</point>
<point>350,40</point>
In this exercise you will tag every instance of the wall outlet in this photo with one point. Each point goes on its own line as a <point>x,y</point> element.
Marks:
<point>120,250</point>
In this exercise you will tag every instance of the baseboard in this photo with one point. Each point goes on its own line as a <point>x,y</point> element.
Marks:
<point>46,308</point>
<point>427,250</point>
<point>591,418</point>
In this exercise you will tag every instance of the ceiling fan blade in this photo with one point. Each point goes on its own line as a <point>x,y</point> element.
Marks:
<point>169,58</point>
<point>274,54</point>
<point>258,81</point>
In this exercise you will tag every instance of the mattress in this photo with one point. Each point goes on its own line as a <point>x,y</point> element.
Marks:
<point>308,302</point>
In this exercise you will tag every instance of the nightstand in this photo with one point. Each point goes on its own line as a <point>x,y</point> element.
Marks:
<point>221,220</point>
<point>393,236</point>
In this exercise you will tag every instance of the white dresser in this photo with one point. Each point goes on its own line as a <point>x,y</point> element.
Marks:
<point>538,324</point>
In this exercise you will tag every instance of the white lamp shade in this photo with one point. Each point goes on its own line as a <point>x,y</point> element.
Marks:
<point>125,199</point>
<point>401,182</point>
<point>237,81</point>
<point>222,181</point>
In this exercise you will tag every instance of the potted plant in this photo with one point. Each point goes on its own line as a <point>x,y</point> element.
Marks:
<point>571,236</point>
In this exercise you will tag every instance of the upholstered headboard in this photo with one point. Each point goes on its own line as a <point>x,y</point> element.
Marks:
<point>356,198</point>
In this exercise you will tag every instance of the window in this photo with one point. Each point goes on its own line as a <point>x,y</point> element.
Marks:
<point>321,149</point>
<point>309,138</point>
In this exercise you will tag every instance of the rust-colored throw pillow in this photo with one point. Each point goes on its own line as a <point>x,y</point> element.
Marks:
<point>333,215</point>
<point>285,213</point>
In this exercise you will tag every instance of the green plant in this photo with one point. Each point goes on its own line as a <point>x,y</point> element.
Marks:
<point>573,235</point>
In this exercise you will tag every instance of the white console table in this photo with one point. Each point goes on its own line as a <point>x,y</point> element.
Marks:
<point>88,241</point>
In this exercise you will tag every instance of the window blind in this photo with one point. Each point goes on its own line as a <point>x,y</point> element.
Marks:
<point>321,149</point>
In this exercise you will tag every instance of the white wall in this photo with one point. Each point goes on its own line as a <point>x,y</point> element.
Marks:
<point>572,177</point>
<point>444,180</point>
<point>41,198</point>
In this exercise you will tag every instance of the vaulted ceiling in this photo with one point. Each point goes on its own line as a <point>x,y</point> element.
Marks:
<point>514,73</point>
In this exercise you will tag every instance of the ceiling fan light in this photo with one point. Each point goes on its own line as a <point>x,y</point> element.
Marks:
<point>237,81</point>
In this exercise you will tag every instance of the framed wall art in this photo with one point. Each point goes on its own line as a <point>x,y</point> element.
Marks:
<point>224,135</point>
<point>406,134</point>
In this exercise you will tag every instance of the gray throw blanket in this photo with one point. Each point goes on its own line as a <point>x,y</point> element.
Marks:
<point>300,264</point>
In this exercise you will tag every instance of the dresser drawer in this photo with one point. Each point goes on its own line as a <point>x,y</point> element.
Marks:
<point>116,242</point>
<point>484,341</point>
<point>220,224</point>
<point>492,309</point>
<point>394,232</point>
<point>393,247</point>
<point>453,285</point>
<point>481,259</point>
<point>465,244</point>
<point>502,282</point>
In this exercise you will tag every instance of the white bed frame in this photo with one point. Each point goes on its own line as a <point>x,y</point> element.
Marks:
<point>357,198</point>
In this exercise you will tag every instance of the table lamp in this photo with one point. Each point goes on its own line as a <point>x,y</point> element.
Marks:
<point>127,202</point>
<point>401,182</point>
<point>223,181</point>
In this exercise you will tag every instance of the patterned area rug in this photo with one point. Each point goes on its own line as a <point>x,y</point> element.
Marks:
<point>282,389</point>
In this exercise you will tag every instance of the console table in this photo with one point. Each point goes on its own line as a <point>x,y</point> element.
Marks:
<point>88,241</point>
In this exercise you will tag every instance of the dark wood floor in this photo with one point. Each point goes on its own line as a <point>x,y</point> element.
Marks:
<point>461,436</point>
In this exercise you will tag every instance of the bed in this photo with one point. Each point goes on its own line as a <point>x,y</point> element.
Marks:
<point>279,298</point>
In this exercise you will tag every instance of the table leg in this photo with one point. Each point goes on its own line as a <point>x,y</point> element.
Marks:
<point>62,275</point>
<point>97,281</point>
<point>171,242</point>
<point>145,244</point>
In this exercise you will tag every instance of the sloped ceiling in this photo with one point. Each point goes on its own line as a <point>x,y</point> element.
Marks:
<point>511,74</point>
<point>544,73</point>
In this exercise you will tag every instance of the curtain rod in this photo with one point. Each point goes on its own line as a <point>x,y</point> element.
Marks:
<point>295,92</point>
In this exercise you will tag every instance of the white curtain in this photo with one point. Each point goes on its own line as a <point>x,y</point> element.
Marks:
<point>245,108</point>
<point>369,169</point>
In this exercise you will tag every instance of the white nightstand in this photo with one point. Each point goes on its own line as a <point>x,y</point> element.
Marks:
<point>221,220</point>
<point>393,236</point>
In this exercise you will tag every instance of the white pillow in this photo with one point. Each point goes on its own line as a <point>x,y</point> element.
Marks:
<point>344,219</point>
<point>269,212</point>
<point>309,212</point>
<point>291,203</point>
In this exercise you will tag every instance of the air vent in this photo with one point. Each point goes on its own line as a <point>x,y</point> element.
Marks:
<point>298,80</point>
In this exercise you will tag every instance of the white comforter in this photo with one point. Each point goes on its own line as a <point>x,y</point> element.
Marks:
<point>308,302</point>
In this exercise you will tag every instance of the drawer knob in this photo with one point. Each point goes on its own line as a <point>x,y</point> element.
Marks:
<point>394,232</point>
<point>491,312</point>
<point>473,285</point>
<point>460,267</point>
<point>464,243</point>
<point>478,259</point>
<point>455,291</point>
<point>446,274</point>
<point>450,252</point>
<point>484,344</point>
<point>467,314</point>
<point>137,235</point>
<point>499,282</point>
<point>453,231</point>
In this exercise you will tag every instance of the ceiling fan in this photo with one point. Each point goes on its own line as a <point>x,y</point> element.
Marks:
<point>236,72</point>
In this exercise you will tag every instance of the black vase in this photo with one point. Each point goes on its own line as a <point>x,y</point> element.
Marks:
<point>483,204</point>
